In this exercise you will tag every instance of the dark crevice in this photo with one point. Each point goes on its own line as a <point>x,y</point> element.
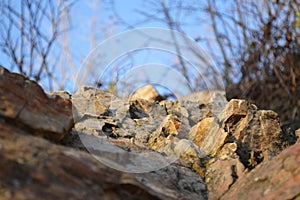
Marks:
<point>233,175</point>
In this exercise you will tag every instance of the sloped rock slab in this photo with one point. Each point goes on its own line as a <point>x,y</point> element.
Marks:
<point>276,179</point>
<point>34,168</point>
<point>25,104</point>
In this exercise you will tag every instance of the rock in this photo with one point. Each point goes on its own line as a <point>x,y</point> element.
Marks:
<point>176,178</point>
<point>256,132</point>
<point>147,92</point>
<point>62,94</point>
<point>276,179</point>
<point>139,108</point>
<point>221,175</point>
<point>190,156</point>
<point>91,101</point>
<point>163,134</point>
<point>208,135</point>
<point>297,133</point>
<point>198,147</point>
<point>25,104</point>
<point>228,151</point>
<point>47,171</point>
<point>200,103</point>
<point>236,109</point>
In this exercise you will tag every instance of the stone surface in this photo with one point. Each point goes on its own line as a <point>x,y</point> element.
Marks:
<point>276,179</point>
<point>147,92</point>
<point>221,175</point>
<point>297,133</point>
<point>176,178</point>
<point>197,147</point>
<point>208,135</point>
<point>33,168</point>
<point>24,104</point>
<point>163,134</point>
<point>199,104</point>
<point>257,132</point>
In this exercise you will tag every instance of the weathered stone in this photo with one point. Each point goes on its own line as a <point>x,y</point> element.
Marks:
<point>208,135</point>
<point>228,151</point>
<point>89,92</point>
<point>62,94</point>
<point>24,104</point>
<point>159,139</point>
<point>147,92</point>
<point>257,132</point>
<point>91,101</point>
<point>175,108</point>
<point>200,103</point>
<point>139,108</point>
<point>176,178</point>
<point>190,155</point>
<point>221,175</point>
<point>139,135</point>
<point>275,179</point>
<point>297,133</point>
<point>235,110</point>
<point>33,168</point>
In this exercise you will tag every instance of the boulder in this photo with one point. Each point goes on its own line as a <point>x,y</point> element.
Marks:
<point>221,175</point>
<point>256,132</point>
<point>25,104</point>
<point>297,133</point>
<point>208,135</point>
<point>33,168</point>
<point>276,179</point>
<point>197,147</point>
<point>147,92</point>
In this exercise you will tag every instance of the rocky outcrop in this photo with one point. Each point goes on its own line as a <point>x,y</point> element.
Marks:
<point>92,144</point>
<point>276,179</point>
<point>297,133</point>
<point>24,104</point>
<point>33,168</point>
<point>147,92</point>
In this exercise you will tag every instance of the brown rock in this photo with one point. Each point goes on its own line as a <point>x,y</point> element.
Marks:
<point>207,135</point>
<point>190,155</point>
<point>297,133</point>
<point>147,92</point>
<point>91,101</point>
<point>62,94</point>
<point>228,151</point>
<point>235,110</point>
<point>163,135</point>
<point>257,132</point>
<point>33,168</point>
<point>140,108</point>
<point>221,175</point>
<point>275,179</point>
<point>24,104</point>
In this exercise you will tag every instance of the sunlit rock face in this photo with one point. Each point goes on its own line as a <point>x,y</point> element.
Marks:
<point>92,144</point>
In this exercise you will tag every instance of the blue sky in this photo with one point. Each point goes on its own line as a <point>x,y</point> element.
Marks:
<point>83,15</point>
<point>86,13</point>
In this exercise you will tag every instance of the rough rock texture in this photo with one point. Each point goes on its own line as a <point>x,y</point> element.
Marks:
<point>24,103</point>
<point>257,132</point>
<point>33,168</point>
<point>222,175</point>
<point>276,179</point>
<point>297,133</point>
<point>208,135</point>
<point>197,147</point>
<point>147,92</point>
